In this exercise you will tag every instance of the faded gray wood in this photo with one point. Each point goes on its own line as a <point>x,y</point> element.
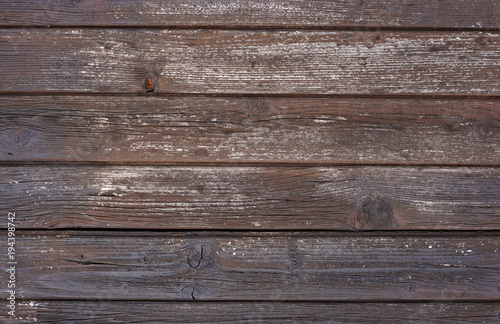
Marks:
<point>318,13</point>
<point>298,62</point>
<point>264,129</point>
<point>255,266</point>
<point>328,198</point>
<point>254,312</point>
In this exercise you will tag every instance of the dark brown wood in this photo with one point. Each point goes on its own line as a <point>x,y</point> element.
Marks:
<point>255,266</point>
<point>254,312</point>
<point>261,13</point>
<point>249,62</point>
<point>334,198</point>
<point>370,128</point>
<point>265,129</point>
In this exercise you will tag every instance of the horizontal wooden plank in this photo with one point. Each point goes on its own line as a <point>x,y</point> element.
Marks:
<point>265,129</point>
<point>318,13</point>
<point>253,312</point>
<point>244,61</point>
<point>254,266</point>
<point>345,198</point>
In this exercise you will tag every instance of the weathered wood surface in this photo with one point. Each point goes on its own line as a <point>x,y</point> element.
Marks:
<point>374,124</point>
<point>476,14</point>
<point>253,312</point>
<point>334,198</point>
<point>265,129</point>
<point>298,62</point>
<point>255,266</point>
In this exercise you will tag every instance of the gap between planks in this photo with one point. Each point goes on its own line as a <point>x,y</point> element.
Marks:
<point>49,311</point>
<point>423,96</point>
<point>196,233</point>
<point>234,164</point>
<point>259,28</point>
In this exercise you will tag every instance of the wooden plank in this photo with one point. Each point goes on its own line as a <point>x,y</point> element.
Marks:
<point>254,266</point>
<point>333,198</point>
<point>260,13</point>
<point>254,312</point>
<point>244,62</point>
<point>264,129</point>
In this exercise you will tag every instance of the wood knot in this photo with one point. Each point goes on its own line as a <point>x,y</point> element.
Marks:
<point>110,141</point>
<point>411,288</point>
<point>201,256</point>
<point>18,137</point>
<point>149,83</point>
<point>257,107</point>
<point>193,291</point>
<point>438,48</point>
<point>482,41</point>
<point>376,214</point>
<point>487,127</point>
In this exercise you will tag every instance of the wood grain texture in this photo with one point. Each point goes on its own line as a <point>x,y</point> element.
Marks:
<point>337,198</point>
<point>254,266</point>
<point>370,128</point>
<point>282,13</point>
<point>296,62</point>
<point>264,129</point>
<point>253,312</point>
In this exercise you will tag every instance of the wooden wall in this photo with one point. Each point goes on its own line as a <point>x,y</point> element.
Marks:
<point>251,161</point>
